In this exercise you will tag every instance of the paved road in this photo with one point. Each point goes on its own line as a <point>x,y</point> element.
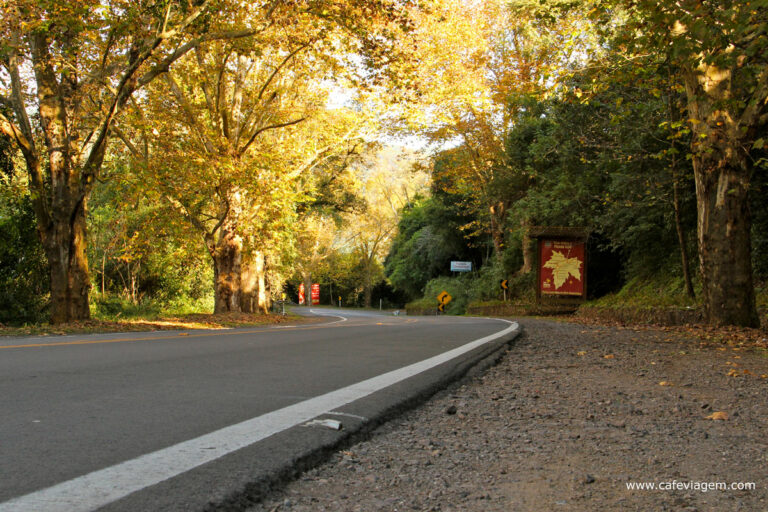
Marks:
<point>169,420</point>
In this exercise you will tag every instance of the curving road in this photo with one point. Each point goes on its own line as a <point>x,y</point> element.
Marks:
<point>179,420</point>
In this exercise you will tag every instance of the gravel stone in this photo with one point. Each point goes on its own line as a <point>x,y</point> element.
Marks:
<point>555,415</point>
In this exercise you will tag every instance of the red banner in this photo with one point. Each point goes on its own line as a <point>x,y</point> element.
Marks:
<point>561,267</point>
<point>315,294</point>
<point>301,293</point>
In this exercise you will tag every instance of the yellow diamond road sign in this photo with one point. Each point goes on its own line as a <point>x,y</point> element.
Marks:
<point>444,297</point>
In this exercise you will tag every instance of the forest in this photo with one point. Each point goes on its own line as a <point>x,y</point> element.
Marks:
<point>166,157</point>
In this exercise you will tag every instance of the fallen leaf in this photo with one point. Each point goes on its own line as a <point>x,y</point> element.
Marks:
<point>747,372</point>
<point>732,373</point>
<point>764,376</point>
<point>581,353</point>
<point>719,415</point>
<point>665,383</point>
<point>609,356</point>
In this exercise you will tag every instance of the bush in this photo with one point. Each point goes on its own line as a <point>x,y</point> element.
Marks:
<point>24,279</point>
<point>115,307</point>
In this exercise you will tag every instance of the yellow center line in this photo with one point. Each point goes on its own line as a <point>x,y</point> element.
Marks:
<point>182,336</point>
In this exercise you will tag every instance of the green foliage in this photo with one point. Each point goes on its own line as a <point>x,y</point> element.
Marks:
<point>482,286</point>
<point>115,307</point>
<point>429,237</point>
<point>457,288</point>
<point>137,255</point>
<point>663,289</point>
<point>613,162</point>
<point>610,164</point>
<point>759,210</point>
<point>6,154</point>
<point>24,289</point>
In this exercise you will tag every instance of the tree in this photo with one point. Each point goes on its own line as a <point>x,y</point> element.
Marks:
<point>137,253</point>
<point>429,235</point>
<point>387,185</point>
<point>202,140</point>
<point>330,192</point>
<point>78,64</point>
<point>479,60</point>
<point>720,54</point>
<point>610,160</point>
<point>23,276</point>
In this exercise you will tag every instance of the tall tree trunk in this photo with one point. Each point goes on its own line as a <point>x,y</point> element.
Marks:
<point>65,243</point>
<point>498,213</point>
<point>722,171</point>
<point>227,262</point>
<point>529,248</point>
<point>307,288</point>
<point>263,298</point>
<point>725,246</point>
<point>254,295</point>
<point>368,294</point>
<point>681,239</point>
<point>674,115</point>
<point>248,286</point>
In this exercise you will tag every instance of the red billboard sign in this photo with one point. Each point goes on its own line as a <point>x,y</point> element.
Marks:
<point>315,294</point>
<point>561,267</point>
<point>301,293</point>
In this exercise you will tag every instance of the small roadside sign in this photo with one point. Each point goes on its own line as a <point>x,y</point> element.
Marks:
<point>315,294</point>
<point>441,308</point>
<point>461,266</point>
<point>444,297</point>
<point>504,284</point>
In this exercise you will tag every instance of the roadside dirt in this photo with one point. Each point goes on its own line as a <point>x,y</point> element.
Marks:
<point>571,415</point>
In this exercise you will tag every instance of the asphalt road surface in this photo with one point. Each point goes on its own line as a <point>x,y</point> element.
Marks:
<point>180,420</point>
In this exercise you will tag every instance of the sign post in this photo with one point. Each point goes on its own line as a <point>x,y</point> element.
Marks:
<point>442,300</point>
<point>561,264</point>
<point>504,284</point>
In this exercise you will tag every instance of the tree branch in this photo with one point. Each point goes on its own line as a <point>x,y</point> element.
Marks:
<point>131,147</point>
<point>277,70</point>
<point>128,83</point>
<point>24,137</point>
<point>165,64</point>
<point>265,128</point>
<point>187,108</point>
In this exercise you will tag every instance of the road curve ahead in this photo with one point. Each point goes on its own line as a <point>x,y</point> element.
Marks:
<point>188,420</point>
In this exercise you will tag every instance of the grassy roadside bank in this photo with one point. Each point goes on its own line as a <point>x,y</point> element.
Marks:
<point>154,323</point>
<point>651,301</point>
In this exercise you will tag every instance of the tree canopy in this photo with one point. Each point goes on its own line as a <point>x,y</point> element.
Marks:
<point>258,142</point>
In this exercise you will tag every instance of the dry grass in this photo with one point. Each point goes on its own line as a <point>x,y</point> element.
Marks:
<point>192,321</point>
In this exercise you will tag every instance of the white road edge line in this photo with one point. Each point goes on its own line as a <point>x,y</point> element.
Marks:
<point>343,318</point>
<point>99,488</point>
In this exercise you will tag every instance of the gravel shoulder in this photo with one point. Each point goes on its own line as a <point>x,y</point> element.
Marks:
<point>568,418</point>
